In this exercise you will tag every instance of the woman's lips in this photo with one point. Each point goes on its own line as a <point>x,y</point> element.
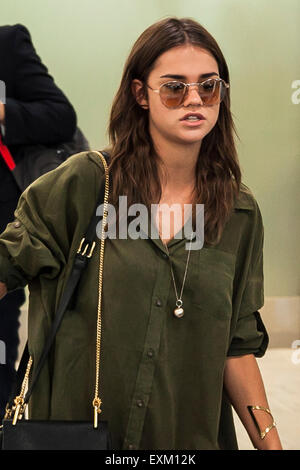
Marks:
<point>196,119</point>
<point>193,115</point>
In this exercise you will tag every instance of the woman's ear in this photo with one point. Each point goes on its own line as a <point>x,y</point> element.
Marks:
<point>138,93</point>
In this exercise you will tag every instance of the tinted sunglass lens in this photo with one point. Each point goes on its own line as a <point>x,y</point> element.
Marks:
<point>210,92</point>
<point>172,94</point>
<point>222,91</point>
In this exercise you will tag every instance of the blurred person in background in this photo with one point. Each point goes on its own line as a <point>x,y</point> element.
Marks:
<point>33,111</point>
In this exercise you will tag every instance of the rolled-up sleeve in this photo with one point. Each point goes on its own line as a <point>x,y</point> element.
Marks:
<point>249,333</point>
<point>10,275</point>
<point>250,337</point>
<point>38,243</point>
<point>23,256</point>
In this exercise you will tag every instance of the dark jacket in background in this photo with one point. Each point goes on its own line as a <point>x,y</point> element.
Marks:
<point>36,110</point>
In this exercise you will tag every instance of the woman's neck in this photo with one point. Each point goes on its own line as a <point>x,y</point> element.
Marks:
<point>178,167</point>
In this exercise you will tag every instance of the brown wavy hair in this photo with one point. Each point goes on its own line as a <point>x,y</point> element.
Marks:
<point>133,167</point>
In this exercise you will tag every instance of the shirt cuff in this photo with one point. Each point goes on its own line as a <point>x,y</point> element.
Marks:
<point>251,337</point>
<point>10,275</point>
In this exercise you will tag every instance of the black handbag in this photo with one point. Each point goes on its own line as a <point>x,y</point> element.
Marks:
<point>20,434</point>
<point>33,161</point>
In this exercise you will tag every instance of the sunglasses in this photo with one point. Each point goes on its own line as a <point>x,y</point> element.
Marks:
<point>173,94</point>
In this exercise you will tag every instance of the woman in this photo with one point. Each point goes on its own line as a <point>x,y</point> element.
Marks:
<point>180,326</point>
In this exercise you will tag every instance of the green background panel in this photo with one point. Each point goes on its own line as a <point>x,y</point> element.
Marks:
<point>85,44</point>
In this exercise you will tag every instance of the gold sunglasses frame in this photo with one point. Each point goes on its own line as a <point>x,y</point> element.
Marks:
<point>187,85</point>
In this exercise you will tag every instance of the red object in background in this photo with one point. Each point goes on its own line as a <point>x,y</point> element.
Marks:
<point>6,155</point>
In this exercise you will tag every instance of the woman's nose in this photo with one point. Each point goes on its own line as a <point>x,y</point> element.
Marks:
<point>192,96</point>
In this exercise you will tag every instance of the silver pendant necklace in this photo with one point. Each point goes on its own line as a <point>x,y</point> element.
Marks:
<point>179,311</point>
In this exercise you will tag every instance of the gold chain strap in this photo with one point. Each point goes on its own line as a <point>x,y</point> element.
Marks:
<point>97,401</point>
<point>19,407</point>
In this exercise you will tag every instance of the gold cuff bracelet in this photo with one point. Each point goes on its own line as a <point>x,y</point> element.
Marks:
<point>263,433</point>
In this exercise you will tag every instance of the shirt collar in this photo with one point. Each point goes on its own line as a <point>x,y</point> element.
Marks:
<point>244,200</point>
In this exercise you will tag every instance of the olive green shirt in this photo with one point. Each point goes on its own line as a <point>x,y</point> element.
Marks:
<point>161,377</point>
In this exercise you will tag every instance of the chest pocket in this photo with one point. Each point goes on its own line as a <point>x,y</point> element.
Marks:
<point>212,288</point>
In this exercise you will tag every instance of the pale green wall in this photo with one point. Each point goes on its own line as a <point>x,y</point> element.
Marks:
<point>84,44</point>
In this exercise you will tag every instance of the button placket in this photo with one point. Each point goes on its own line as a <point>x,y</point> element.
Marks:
<point>145,375</point>
<point>150,353</point>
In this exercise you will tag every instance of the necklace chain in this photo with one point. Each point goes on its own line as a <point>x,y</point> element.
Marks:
<point>179,299</point>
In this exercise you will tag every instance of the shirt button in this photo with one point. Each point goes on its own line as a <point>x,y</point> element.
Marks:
<point>140,403</point>
<point>158,303</point>
<point>164,255</point>
<point>150,353</point>
<point>17,224</point>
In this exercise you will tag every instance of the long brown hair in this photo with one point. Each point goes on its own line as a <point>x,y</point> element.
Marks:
<point>133,166</point>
